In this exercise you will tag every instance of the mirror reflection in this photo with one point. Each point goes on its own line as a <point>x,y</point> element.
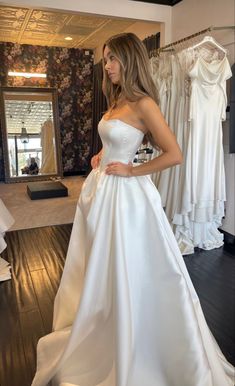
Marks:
<point>31,134</point>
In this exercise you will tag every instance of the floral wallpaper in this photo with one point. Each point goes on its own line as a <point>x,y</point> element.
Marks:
<point>71,72</point>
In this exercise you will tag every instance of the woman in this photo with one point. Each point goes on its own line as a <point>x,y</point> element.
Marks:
<point>126,313</point>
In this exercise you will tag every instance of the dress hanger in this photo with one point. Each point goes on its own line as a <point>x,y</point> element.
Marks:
<point>211,41</point>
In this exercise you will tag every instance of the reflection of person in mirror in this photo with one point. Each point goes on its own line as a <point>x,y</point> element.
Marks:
<point>28,161</point>
<point>32,168</point>
<point>37,159</point>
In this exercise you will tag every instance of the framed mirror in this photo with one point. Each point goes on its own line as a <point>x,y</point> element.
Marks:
<point>30,131</point>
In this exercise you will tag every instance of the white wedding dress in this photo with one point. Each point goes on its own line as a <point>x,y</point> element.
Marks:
<point>126,312</point>
<point>200,207</point>
<point>6,221</point>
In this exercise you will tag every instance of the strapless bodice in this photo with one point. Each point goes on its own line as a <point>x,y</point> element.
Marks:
<point>120,141</point>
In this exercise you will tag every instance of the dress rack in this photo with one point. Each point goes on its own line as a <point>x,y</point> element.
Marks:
<point>209,29</point>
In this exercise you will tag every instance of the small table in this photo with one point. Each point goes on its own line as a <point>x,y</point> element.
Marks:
<point>41,190</point>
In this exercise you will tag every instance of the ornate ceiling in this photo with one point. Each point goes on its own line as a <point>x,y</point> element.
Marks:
<point>38,27</point>
<point>29,110</point>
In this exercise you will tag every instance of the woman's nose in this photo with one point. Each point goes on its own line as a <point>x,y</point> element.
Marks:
<point>107,66</point>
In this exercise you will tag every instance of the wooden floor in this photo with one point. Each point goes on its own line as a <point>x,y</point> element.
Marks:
<point>26,302</point>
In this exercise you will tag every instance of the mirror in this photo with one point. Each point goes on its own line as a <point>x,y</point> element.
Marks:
<point>30,130</point>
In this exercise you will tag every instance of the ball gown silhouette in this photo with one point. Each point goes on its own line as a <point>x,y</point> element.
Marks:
<point>126,312</point>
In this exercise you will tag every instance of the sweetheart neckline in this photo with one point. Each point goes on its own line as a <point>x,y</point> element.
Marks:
<point>125,123</point>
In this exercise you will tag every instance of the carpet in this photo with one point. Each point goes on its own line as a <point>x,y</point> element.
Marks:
<point>39,213</point>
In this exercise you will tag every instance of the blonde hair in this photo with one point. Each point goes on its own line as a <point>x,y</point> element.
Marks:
<point>135,74</point>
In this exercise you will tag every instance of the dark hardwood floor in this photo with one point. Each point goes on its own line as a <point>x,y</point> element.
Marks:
<point>37,257</point>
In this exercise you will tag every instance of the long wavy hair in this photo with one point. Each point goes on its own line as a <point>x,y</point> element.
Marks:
<point>135,73</point>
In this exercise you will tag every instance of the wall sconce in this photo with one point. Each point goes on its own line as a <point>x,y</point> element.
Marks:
<point>24,137</point>
<point>27,74</point>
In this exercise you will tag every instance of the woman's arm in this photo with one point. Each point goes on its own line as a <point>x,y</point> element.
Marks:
<point>150,114</point>
<point>95,160</point>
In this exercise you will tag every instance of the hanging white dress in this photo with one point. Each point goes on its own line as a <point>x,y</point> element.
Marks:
<point>201,206</point>
<point>161,74</point>
<point>177,124</point>
<point>164,82</point>
<point>6,221</point>
<point>126,312</point>
<point>48,148</point>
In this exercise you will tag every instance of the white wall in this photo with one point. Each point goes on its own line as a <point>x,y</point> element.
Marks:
<point>143,29</point>
<point>191,16</point>
<point>140,28</point>
<point>118,8</point>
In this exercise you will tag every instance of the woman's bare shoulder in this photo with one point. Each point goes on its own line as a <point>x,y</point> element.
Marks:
<point>146,105</point>
<point>146,102</point>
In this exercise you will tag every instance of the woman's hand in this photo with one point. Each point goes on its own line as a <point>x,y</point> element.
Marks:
<point>95,161</point>
<point>119,169</point>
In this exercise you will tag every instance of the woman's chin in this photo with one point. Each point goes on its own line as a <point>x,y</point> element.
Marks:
<point>114,81</point>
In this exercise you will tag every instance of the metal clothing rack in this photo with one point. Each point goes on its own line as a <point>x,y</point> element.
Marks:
<point>209,29</point>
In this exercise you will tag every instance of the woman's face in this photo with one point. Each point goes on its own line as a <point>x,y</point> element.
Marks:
<point>112,66</point>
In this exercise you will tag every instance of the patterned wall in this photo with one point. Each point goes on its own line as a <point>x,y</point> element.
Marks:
<point>70,70</point>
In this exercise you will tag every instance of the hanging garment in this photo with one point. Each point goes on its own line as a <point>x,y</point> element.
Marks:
<point>126,312</point>
<point>174,99</point>
<point>163,79</point>
<point>48,148</point>
<point>161,74</point>
<point>6,221</point>
<point>177,123</point>
<point>200,207</point>
<point>232,113</point>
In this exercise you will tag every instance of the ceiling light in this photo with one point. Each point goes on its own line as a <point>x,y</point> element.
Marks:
<point>24,137</point>
<point>27,74</point>
<point>68,38</point>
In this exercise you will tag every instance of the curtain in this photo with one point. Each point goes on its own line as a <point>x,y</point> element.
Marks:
<point>152,43</point>
<point>99,106</point>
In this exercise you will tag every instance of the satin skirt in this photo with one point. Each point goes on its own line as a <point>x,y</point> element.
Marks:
<point>6,221</point>
<point>126,312</point>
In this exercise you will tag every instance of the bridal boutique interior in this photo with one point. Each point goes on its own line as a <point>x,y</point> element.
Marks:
<point>52,121</point>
